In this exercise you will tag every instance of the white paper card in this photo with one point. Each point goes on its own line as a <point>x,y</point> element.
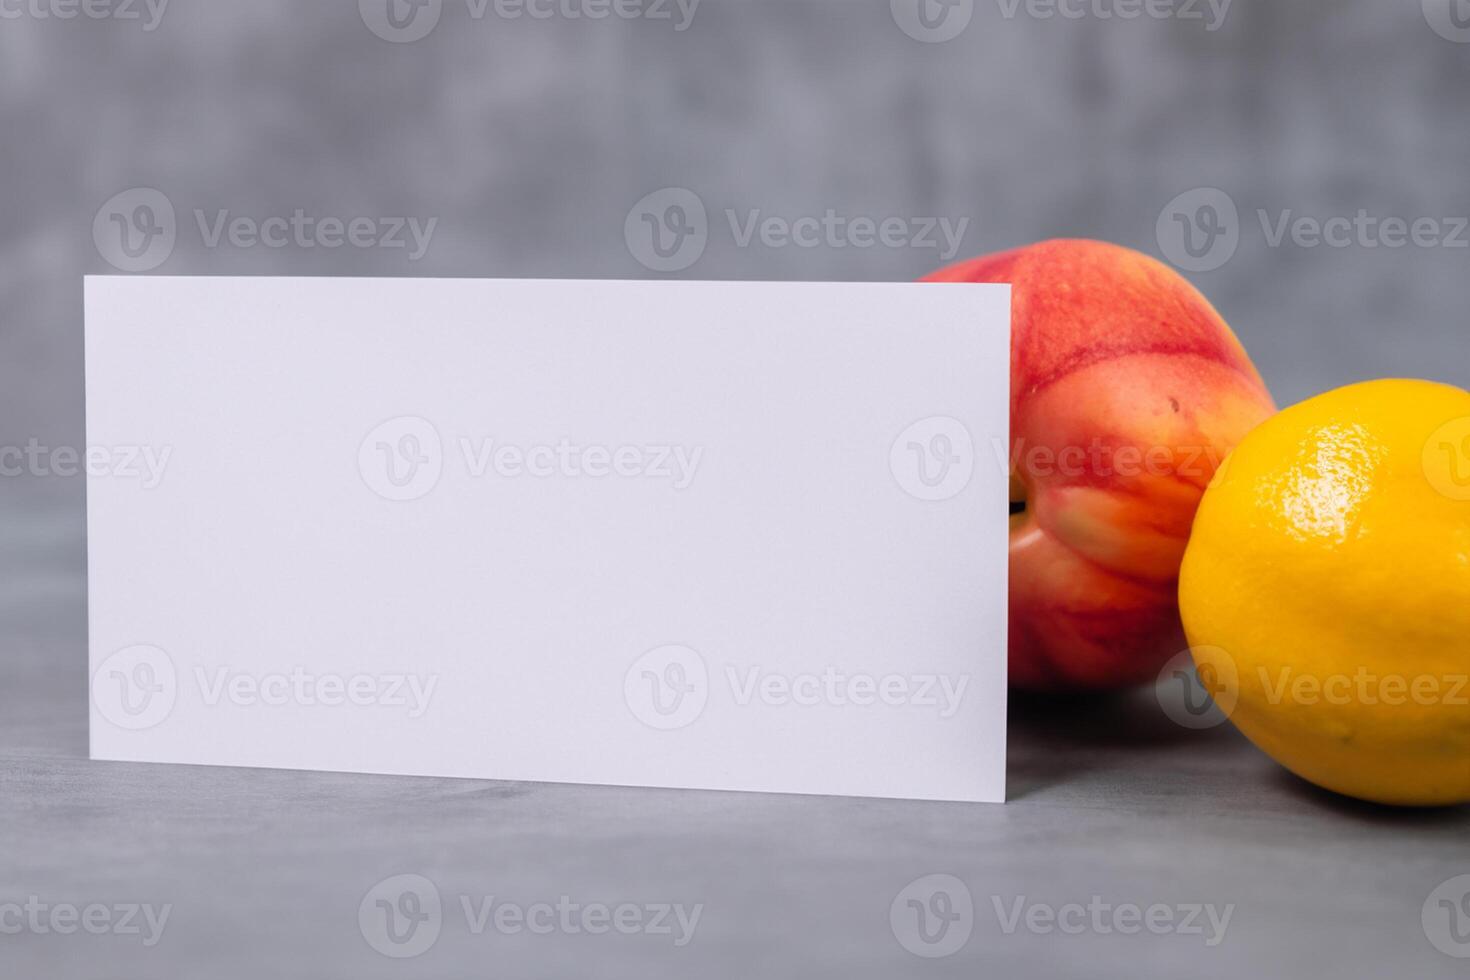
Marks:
<point>737,536</point>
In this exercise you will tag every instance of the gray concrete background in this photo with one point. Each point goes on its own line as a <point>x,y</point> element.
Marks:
<point>530,141</point>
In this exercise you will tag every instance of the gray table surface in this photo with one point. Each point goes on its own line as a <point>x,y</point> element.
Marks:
<point>264,871</point>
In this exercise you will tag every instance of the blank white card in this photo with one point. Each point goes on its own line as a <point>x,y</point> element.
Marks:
<point>734,536</point>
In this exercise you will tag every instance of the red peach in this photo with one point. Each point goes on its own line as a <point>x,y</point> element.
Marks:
<point>1128,391</point>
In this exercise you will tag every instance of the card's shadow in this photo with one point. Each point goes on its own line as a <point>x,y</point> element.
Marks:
<point>1053,739</point>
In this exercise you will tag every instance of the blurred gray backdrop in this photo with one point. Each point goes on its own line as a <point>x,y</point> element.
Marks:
<point>528,141</point>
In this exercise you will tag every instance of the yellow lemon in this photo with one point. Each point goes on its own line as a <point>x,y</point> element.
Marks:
<point>1328,577</point>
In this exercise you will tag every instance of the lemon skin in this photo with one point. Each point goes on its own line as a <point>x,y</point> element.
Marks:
<point>1330,563</point>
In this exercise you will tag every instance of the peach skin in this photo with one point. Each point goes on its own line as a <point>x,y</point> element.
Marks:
<point>1128,391</point>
